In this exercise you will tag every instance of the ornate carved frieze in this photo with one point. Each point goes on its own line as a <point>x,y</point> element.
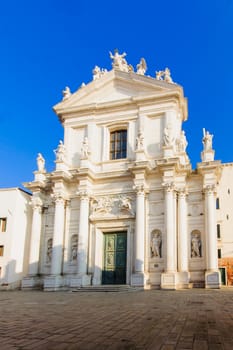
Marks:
<point>112,206</point>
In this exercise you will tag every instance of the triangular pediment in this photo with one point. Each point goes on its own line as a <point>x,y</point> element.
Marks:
<point>114,86</point>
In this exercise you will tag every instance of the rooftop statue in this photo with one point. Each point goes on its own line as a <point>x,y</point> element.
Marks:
<point>40,163</point>
<point>119,61</point>
<point>98,73</point>
<point>60,152</point>
<point>66,93</point>
<point>142,67</point>
<point>164,75</point>
<point>207,140</point>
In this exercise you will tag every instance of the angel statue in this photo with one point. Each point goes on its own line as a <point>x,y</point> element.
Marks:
<point>119,61</point>
<point>142,67</point>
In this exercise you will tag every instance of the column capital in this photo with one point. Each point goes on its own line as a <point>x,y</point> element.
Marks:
<point>84,194</point>
<point>36,203</point>
<point>58,198</point>
<point>168,186</point>
<point>182,192</point>
<point>209,189</point>
<point>140,189</point>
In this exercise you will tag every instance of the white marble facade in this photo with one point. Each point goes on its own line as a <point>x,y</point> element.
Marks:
<point>143,197</point>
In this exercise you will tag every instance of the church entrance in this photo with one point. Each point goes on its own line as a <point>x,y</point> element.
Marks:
<point>114,264</point>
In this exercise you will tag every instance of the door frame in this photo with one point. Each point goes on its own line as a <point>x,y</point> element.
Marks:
<point>98,236</point>
<point>116,234</point>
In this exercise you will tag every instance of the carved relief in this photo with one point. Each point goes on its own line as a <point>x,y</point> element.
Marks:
<point>156,244</point>
<point>112,205</point>
<point>196,244</point>
<point>74,248</point>
<point>49,251</point>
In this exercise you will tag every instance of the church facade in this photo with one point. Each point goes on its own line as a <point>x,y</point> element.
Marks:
<point>123,205</point>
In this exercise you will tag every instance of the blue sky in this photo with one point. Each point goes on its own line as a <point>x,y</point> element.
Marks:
<point>48,44</point>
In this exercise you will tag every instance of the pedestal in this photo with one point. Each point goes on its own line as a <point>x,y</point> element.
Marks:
<point>169,280</point>
<point>53,283</point>
<point>80,281</point>
<point>32,282</point>
<point>207,156</point>
<point>168,151</point>
<point>138,280</point>
<point>183,280</point>
<point>212,280</point>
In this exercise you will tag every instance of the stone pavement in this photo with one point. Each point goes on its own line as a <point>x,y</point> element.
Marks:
<point>188,319</point>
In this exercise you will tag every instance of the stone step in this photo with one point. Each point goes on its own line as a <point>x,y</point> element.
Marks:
<point>106,288</point>
<point>197,284</point>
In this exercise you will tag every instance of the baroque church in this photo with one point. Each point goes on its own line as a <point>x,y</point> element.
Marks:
<point>123,205</point>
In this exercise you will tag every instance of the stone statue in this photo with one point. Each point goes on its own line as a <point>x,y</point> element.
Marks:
<point>141,67</point>
<point>40,163</point>
<point>139,141</point>
<point>167,76</point>
<point>164,75</point>
<point>66,93</point>
<point>207,140</point>
<point>60,152</point>
<point>182,142</point>
<point>85,148</point>
<point>159,75</point>
<point>74,248</point>
<point>196,246</point>
<point>49,251</point>
<point>119,61</point>
<point>156,243</point>
<point>98,73</point>
<point>168,137</point>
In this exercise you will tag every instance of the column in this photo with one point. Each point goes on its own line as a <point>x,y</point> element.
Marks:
<point>169,224</point>
<point>169,277</point>
<point>211,237</point>
<point>212,277</point>
<point>138,277</point>
<point>183,274</point>
<point>83,233</point>
<point>140,230</point>
<point>182,232</point>
<point>58,235</point>
<point>35,237</point>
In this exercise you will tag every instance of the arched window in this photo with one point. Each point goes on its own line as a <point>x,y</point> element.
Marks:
<point>118,144</point>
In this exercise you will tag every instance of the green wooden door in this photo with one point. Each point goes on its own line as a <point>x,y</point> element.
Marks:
<point>222,271</point>
<point>114,264</point>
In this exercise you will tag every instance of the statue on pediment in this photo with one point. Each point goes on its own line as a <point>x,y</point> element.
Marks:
<point>142,67</point>
<point>168,137</point>
<point>207,140</point>
<point>60,152</point>
<point>85,148</point>
<point>40,163</point>
<point>98,73</point>
<point>182,142</point>
<point>119,61</point>
<point>66,93</point>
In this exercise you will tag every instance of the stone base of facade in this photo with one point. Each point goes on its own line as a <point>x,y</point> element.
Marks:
<point>212,280</point>
<point>53,283</point>
<point>32,282</point>
<point>169,280</point>
<point>80,281</point>
<point>183,279</point>
<point>138,280</point>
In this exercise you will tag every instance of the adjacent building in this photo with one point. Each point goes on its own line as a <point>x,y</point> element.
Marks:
<point>15,228</point>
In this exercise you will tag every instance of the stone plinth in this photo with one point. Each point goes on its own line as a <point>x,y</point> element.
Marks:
<point>138,280</point>
<point>53,283</point>
<point>80,281</point>
<point>32,282</point>
<point>207,156</point>
<point>183,279</point>
<point>168,151</point>
<point>169,280</point>
<point>212,280</point>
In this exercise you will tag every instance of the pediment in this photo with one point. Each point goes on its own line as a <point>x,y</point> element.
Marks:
<point>113,86</point>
